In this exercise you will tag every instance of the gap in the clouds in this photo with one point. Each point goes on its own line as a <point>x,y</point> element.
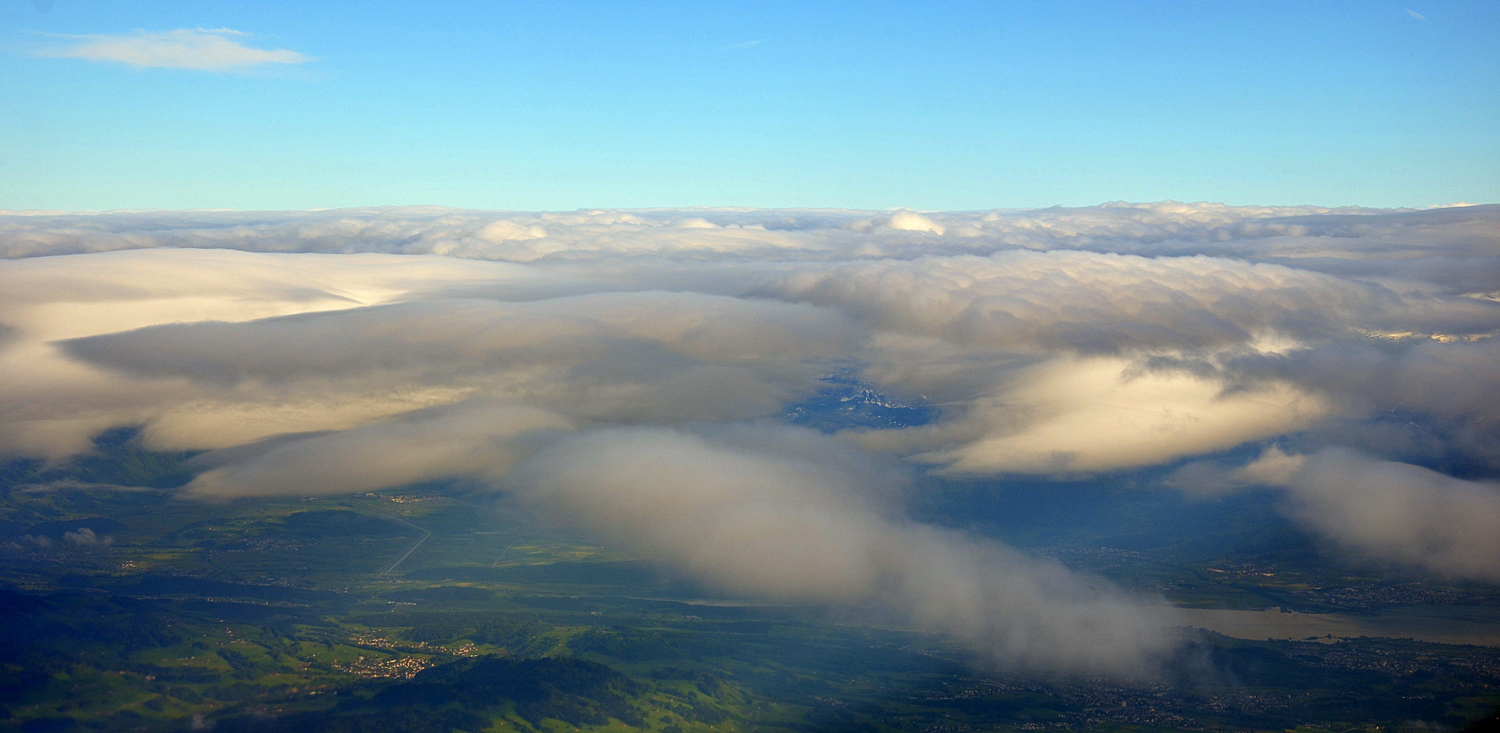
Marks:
<point>1235,549</point>
<point>1458,449</point>
<point>119,459</point>
<point>846,401</point>
<point>1130,509</point>
<point>1131,528</point>
<point>1116,511</point>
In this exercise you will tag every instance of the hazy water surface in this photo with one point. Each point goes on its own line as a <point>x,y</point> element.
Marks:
<point>1478,625</point>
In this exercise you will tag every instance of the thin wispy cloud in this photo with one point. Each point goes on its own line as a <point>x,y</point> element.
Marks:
<point>745,44</point>
<point>1416,15</point>
<point>202,49</point>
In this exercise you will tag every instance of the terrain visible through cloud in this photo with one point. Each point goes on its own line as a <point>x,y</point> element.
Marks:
<point>629,372</point>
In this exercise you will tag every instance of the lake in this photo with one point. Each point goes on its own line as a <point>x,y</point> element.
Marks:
<point>1479,625</point>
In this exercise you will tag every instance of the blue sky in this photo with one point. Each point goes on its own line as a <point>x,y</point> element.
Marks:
<point>870,105</point>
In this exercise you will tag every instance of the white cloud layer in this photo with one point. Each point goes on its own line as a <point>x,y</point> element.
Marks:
<point>410,344</point>
<point>203,49</point>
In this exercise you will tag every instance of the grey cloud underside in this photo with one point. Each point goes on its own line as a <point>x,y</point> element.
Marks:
<point>642,337</point>
<point>625,369</point>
